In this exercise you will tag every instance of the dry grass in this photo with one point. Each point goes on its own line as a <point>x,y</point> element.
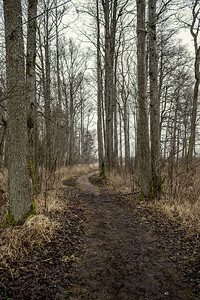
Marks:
<point>65,173</point>
<point>182,200</point>
<point>37,229</point>
<point>120,182</point>
<point>15,240</point>
<point>182,196</point>
<point>49,201</point>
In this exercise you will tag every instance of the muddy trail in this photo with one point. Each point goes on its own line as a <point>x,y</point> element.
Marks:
<point>122,259</point>
<point>102,251</point>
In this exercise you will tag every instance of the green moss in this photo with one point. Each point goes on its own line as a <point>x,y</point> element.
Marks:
<point>102,173</point>
<point>156,187</point>
<point>80,187</point>
<point>31,212</point>
<point>141,195</point>
<point>9,220</point>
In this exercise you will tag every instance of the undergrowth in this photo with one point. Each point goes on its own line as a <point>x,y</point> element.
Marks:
<point>180,197</point>
<point>14,241</point>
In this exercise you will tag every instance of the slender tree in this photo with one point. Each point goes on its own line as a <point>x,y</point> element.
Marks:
<point>194,29</point>
<point>143,131</point>
<point>31,77</point>
<point>154,103</point>
<point>99,97</point>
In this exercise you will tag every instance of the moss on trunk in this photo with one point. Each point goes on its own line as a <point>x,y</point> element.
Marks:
<point>10,221</point>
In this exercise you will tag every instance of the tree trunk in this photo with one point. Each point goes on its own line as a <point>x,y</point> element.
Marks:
<point>99,98</point>
<point>71,124</point>
<point>194,32</point>
<point>20,190</point>
<point>31,78</point>
<point>47,96</point>
<point>191,146</point>
<point>143,130</point>
<point>110,33</point>
<point>2,132</point>
<point>59,133</point>
<point>154,103</point>
<point>120,139</point>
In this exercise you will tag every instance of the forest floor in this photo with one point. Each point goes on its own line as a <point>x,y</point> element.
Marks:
<point>108,247</point>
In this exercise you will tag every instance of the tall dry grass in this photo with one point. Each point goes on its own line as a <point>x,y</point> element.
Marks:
<point>180,198</point>
<point>122,182</point>
<point>181,195</point>
<point>40,228</point>
<point>65,173</point>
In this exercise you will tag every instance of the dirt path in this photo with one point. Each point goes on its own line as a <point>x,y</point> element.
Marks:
<point>101,251</point>
<point>122,260</point>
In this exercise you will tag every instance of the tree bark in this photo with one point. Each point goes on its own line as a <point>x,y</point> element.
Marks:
<point>154,103</point>
<point>110,33</point>
<point>194,34</point>
<point>20,190</point>
<point>99,98</point>
<point>143,130</point>
<point>31,78</point>
<point>47,94</point>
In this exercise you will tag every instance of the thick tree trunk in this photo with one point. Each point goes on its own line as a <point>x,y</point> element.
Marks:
<point>143,130</point>
<point>154,103</point>
<point>20,190</point>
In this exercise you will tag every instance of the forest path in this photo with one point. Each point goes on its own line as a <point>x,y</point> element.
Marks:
<point>121,259</point>
<point>105,248</point>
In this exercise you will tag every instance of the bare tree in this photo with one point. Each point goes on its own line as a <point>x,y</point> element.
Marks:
<point>99,97</point>
<point>154,103</point>
<point>194,29</point>
<point>143,131</point>
<point>20,191</point>
<point>31,77</point>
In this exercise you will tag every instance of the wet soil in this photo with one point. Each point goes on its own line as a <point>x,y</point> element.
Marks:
<point>109,247</point>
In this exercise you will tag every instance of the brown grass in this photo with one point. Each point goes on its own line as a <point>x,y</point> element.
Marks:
<point>65,173</point>
<point>182,201</point>
<point>40,228</point>
<point>120,182</point>
<point>15,240</point>
<point>182,196</point>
